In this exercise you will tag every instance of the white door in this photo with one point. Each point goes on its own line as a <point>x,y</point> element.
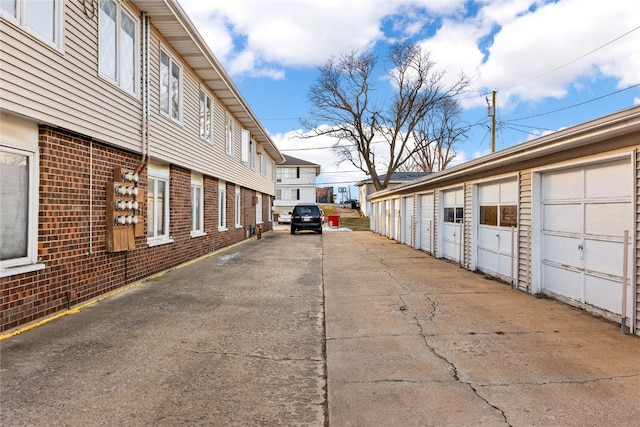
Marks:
<point>407,220</point>
<point>425,221</point>
<point>497,209</point>
<point>393,220</point>
<point>585,211</point>
<point>451,223</point>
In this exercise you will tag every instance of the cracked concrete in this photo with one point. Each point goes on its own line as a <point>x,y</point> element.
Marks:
<point>415,341</point>
<point>339,329</point>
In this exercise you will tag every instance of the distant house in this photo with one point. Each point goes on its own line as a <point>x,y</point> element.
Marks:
<point>295,183</point>
<point>397,178</point>
<point>324,195</point>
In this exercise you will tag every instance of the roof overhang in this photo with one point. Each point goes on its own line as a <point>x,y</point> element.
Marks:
<point>168,17</point>
<point>601,130</point>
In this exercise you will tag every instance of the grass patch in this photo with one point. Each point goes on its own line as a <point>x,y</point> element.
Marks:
<point>355,224</point>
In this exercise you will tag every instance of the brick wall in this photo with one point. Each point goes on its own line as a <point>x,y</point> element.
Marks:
<point>71,229</point>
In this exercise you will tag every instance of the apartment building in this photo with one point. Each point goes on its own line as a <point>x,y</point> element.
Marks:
<point>125,150</point>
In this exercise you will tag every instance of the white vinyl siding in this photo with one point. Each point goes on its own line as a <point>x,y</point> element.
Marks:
<point>43,18</point>
<point>118,45</point>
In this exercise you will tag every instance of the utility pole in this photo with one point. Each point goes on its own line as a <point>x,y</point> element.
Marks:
<point>493,121</point>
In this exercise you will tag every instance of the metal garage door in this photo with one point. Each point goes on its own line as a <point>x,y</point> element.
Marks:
<point>585,211</point>
<point>496,224</point>
<point>452,214</point>
<point>425,221</point>
<point>393,219</point>
<point>407,220</point>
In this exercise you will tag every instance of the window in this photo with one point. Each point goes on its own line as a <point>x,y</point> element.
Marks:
<point>118,45</point>
<point>259,208</point>
<point>287,173</point>
<point>19,213</point>
<point>263,164</point>
<point>252,154</point>
<point>170,87</point>
<point>222,206</point>
<point>238,208</point>
<point>229,134</point>
<point>453,214</point>
<point>288,194</point>
<point>245,146</point>
<point>158,205</point>
<point>197,206</point>
<point>45,18</point>
<point>206,116</point>
<point>508,215</point>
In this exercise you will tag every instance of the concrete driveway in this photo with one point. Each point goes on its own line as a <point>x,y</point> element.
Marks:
<point>339,329</point>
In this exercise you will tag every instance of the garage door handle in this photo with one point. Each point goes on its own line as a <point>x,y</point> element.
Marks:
<point>580,247</point>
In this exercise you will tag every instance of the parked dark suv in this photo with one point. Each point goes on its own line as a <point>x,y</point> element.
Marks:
<point>306,217</point>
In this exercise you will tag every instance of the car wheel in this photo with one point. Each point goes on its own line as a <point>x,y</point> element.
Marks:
<point>293,230</point>
<point>319,230</point>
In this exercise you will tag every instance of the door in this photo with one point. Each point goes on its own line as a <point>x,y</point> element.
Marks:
<point>452,216</point>
<point>407,220</point>
<point>425,221</point>
<point>585,211</point>
<point>497,213</point>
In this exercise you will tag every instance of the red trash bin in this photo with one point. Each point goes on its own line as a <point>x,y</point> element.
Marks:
<point>334,221</point>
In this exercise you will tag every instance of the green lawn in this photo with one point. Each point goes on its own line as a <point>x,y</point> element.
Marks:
<point>355,224</point>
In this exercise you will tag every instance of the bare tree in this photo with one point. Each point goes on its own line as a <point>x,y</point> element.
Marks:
<point>343,100</point>
<point>435,137</point>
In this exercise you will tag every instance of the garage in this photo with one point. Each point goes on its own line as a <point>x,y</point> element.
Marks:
<point>585,211</point>
<point>496,231</point>
<point>425,222</point>
<point>407,220</point>
<point>452,216</point>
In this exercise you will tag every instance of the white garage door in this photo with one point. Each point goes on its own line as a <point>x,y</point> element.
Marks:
<point>497,218</point>
<point>452,215</point>
<point>585,212</point>
<point>407,220</point>
<point>393,220</point>
<point>426,222</point>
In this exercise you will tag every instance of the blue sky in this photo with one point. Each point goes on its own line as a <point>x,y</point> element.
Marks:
<point>554,64</point>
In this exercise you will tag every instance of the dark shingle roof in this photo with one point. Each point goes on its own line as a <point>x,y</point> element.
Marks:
<point>293,161</point>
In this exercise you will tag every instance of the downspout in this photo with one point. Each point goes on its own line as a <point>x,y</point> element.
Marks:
<point>145,94</point>
<point>91,196</point>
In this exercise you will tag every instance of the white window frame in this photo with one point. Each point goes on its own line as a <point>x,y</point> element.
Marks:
<point>197,205</point>
<point>238,205</point>
<point>120,73</point>
<point>222,206</point>
<point>228,134</point>
<point>173,65</point>
<point>263,164</point>
<point>259,208</point>
<point>252,154</point>
<point>246,142</point>
<point>206,115</point>
<point>21,18</point>
<point>157,173</point>
<point>29,262</point>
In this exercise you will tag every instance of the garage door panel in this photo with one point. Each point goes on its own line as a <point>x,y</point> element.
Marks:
<point>564,185</point>
<point>562,281</point>
<point>564,218</point>
<point>489,193</point>
<point>562,250</point>
<point>486,261</point>
<point>608,180</point>
<point>604,293</point>
<point>603,257</point>
<point>487,238</point>
<point>606,219</point>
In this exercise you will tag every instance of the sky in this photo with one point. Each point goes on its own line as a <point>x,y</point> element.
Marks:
<point>553,64</point>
